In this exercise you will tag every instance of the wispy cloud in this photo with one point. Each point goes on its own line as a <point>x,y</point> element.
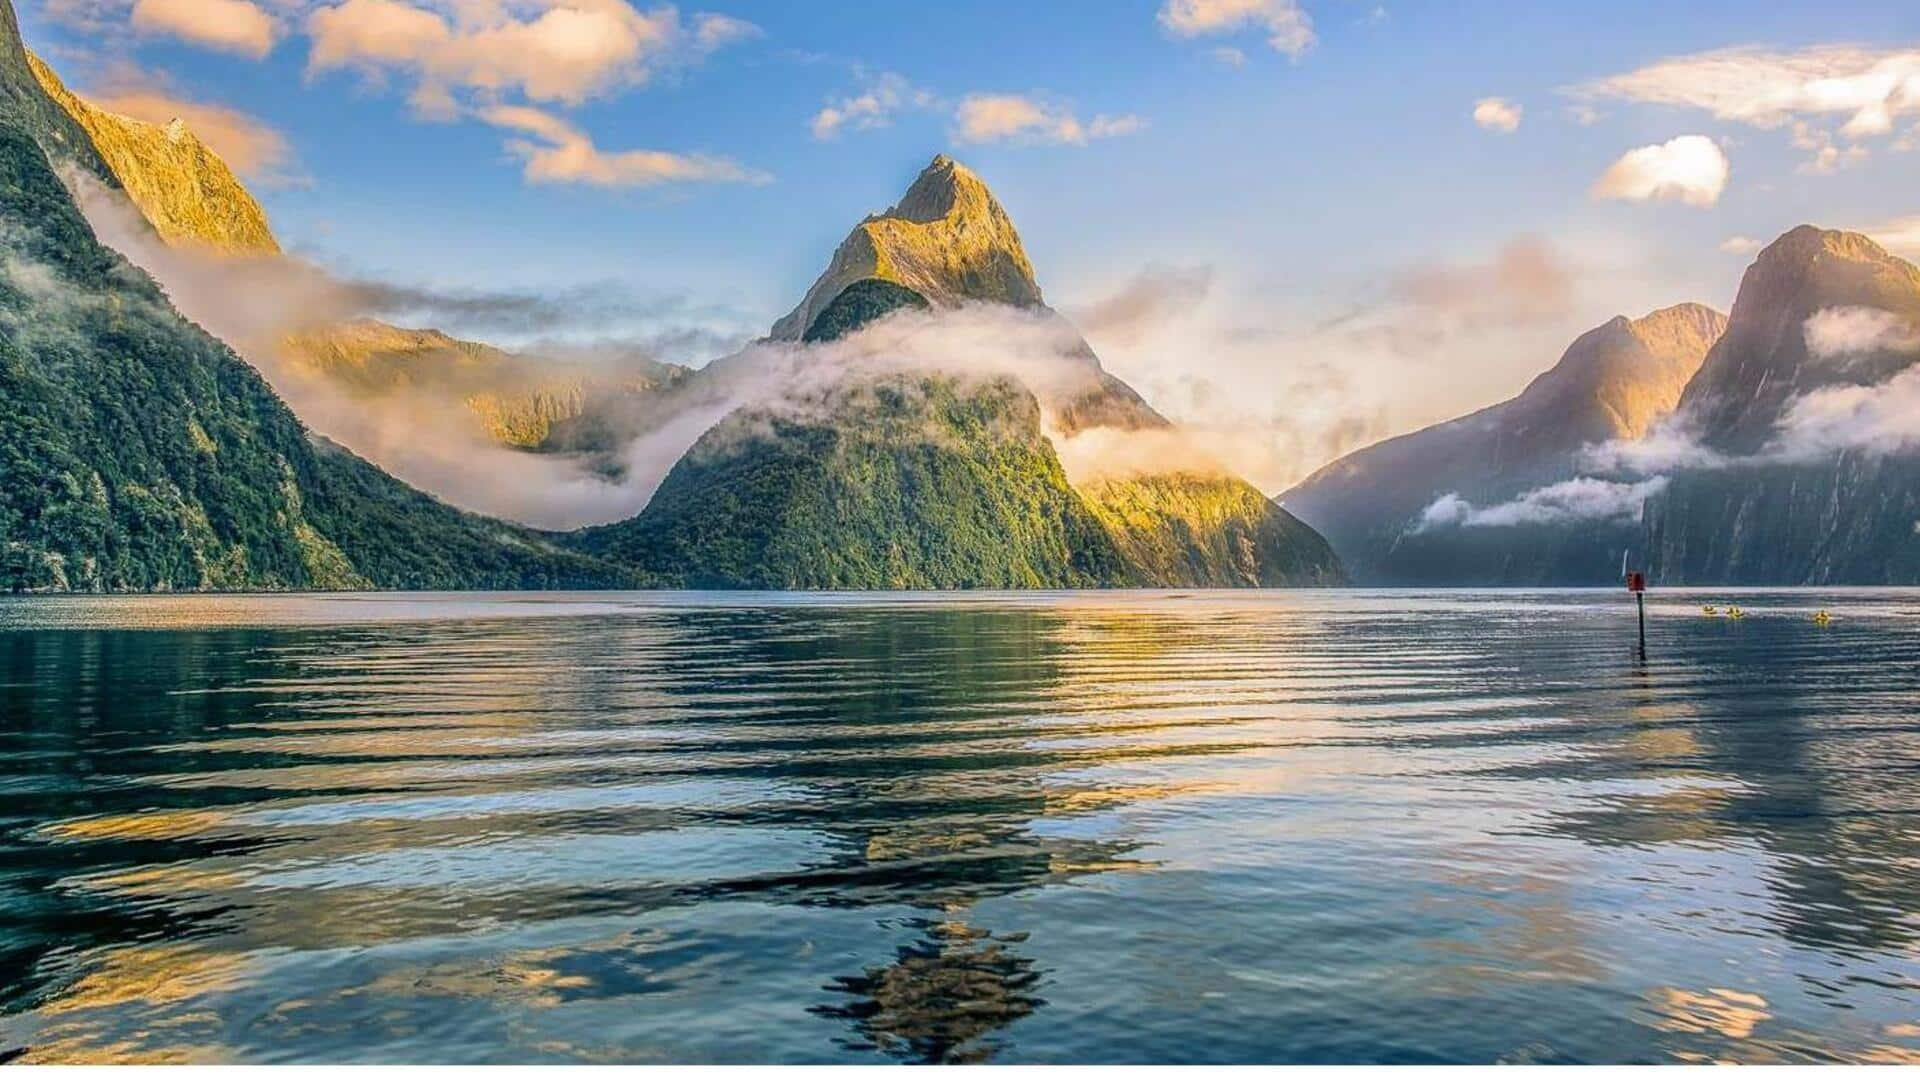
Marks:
<point>1691,169</point>
<point>1867,92</point>
<point>556,152</point>
<point>1581,499</point>
<point>874,106</point>
<point>1844,333</point>
<point>1014,117</point>
<point>1289,29</point>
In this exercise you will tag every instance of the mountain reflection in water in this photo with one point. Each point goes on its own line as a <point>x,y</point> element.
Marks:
<point>1111,827</point>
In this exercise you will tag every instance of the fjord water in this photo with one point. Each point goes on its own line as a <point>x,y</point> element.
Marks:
<point>1318,826</point>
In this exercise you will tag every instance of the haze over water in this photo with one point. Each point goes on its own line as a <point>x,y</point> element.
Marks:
<point>1315,826</point>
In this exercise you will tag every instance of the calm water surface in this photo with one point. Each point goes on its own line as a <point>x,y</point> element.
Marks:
<point>1362,826</point>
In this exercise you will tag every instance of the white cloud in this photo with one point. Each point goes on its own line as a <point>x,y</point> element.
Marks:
<point>1584,498</point>
<point>1004,117</point>
<point>1766,89</point>
<point>1741,245</point>
<point>237,26</point>
<point>1689,169</point>
<point>565,51</point>
<point>1289,29</point>
<point>871,108</point>
<point>1867,91</point>
<point>1228,56</point>
<point>1842,333</point>
<point>1879,419</point>
<point>559,153</point>
<point>1671,443</point>
<point>1497,114</point>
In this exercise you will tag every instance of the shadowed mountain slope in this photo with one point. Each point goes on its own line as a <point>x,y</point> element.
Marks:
<point>1612,383</point>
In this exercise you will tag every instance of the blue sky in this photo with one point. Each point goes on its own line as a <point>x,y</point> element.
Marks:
<point>1347,180</point>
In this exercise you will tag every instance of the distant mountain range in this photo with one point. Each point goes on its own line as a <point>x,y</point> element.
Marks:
<point>1613,383</point>
<point>1780,445</point>
<point>921,419</point>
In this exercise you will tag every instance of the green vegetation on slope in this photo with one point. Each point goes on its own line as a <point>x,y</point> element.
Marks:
<point>136,452</point>
<point>902,482</point>
<point>1182,529</point>
<point>858,304</point>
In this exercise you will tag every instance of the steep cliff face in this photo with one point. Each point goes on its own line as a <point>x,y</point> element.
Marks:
<point>1613,382</point>
<point>136,452</point>
<point>943,480</point>
<point>1765,359</point>
<point>1846,511</point>
<point>948,240</point>
<point>183,189</point>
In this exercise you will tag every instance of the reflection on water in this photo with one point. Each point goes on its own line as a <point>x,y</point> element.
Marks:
<point>1117,827</point>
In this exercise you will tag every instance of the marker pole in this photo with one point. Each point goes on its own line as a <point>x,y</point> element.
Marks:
<point>1640,599</point>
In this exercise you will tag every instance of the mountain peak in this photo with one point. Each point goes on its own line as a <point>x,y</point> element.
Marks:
<point>1625,373</point>
<point>183,189</point>
<point>1764,362</point>
<point>1690,323</point>
<point>947,239</point>
<point>1806,242</point>
<point>942,188</point>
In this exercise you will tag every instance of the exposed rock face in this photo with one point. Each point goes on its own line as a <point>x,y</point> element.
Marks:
<point>184,189</point>
<point>934,481</point>
<point>1613,382</point>
<point>1763,360</point>
<point>1851,516</point>
<point>948,240</point>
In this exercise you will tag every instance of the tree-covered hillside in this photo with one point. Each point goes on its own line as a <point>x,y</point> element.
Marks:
<point>896,482</point>
<point>137,452</point>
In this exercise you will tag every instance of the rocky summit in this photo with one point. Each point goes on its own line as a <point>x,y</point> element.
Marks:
<point>1786,503</point>
<point>1613,383</point>
<point>947,240</point>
